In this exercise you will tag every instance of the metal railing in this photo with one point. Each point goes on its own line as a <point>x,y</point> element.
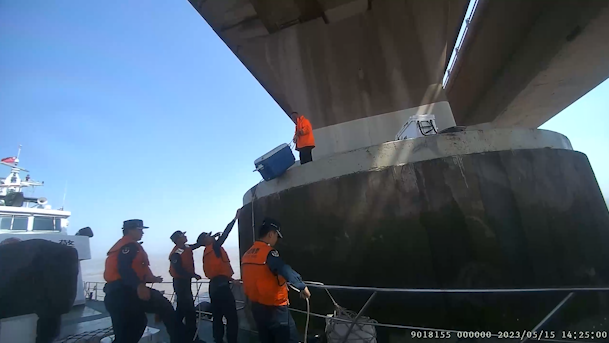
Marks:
<point>527,334</point>
<point>92,289</point>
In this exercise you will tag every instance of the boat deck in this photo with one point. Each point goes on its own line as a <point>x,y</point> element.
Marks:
<point>91,322</point>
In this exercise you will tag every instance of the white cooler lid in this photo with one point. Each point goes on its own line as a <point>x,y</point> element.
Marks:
<point>270,153</point>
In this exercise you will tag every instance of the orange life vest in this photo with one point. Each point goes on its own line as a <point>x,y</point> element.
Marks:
<point>140,264</point>
<point>214,266</point>
<point>188,263</point>
<point>306,139</point>
<point>259,283</point>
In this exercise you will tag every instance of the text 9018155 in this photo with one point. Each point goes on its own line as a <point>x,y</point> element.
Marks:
<point>436,334</point>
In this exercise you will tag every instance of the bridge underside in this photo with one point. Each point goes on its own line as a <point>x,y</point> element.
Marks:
<point>525,61</point>
<point>341,60</point>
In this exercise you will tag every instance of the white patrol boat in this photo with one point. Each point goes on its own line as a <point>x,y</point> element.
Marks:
<point>23,217</point>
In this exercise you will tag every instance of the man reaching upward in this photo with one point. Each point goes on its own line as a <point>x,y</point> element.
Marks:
<point>182,269</point>
<point>218,270</point>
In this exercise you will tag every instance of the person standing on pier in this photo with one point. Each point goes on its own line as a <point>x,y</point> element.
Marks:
<point>127,298</point>
<point>218,270</point>
<point>264,282</point>
<point>182,269</point>
<point>303,137</point>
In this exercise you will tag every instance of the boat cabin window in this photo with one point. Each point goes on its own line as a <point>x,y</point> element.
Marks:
<point>20,223</point>
<point>43,224</point>
<point>14,223</point>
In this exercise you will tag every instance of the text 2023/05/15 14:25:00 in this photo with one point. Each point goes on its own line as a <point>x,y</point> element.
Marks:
<point>525,334</point>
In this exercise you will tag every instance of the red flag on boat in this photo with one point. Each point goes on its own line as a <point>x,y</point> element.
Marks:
<point>10,160</point>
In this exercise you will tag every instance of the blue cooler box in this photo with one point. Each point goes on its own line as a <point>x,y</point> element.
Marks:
<point>275,162</point>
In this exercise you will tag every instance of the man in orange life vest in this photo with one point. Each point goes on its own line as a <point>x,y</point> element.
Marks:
<point>182,269</point>
<point>127,297</point>
<point>264,281</point>
<point>303,137</point>
<point>218,270</point>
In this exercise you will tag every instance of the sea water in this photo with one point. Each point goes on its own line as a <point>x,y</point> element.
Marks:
<point>93,271</point>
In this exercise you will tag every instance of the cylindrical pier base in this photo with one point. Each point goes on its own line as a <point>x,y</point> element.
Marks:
<point>500,218</point>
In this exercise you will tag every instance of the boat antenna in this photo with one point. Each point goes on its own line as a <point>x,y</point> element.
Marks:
<point>65,191</point>
<point>18,153</point>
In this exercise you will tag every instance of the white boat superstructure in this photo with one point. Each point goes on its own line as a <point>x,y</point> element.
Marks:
<point>23,217</point>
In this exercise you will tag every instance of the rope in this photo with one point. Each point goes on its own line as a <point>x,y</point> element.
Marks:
<point>464,290</point>
<point>394,326</point>
<point>308,312</point>
<point>313,284</point>
<point>292,145</point>
<point>452,290</point>
<point>307,324</point>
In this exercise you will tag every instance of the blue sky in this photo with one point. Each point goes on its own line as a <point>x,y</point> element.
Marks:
<point>145,112</point>
<point>585,123</point>
<point>140,107</point>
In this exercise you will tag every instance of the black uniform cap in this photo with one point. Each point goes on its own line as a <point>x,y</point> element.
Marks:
<point>269,224</point>
<point>177,234</point>
<point>134,224</point>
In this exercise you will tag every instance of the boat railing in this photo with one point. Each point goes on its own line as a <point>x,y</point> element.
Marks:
<point>527,334</point>
<point>92,290</point>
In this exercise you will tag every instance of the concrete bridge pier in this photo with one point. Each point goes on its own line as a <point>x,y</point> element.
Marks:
<point>504,208</point>
<point>485,208</point>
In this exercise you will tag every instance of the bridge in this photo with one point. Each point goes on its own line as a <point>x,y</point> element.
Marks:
<point>359,68</point>
<point>500,204</point>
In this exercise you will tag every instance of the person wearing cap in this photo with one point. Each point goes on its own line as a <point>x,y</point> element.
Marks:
<point>218,270</point>
<point>182,269</point>
<point>127,298</point>
<point>264,277</point>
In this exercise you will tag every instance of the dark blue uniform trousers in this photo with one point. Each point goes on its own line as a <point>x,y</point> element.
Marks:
<point>186,306</point>
<point>223,305</point>
<point>128,314</point>
<point>275,324</point>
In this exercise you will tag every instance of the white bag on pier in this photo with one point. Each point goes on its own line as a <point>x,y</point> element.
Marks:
<point>362,332</point>
<point>418,125</point>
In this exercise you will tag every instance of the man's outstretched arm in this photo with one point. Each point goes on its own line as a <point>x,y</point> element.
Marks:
<point>225,234</point>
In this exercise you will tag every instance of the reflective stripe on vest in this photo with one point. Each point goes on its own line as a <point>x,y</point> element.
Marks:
<point>140,264</point>
<point>214,266</point>
<point>259,283</point>
<point>186,259</point>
